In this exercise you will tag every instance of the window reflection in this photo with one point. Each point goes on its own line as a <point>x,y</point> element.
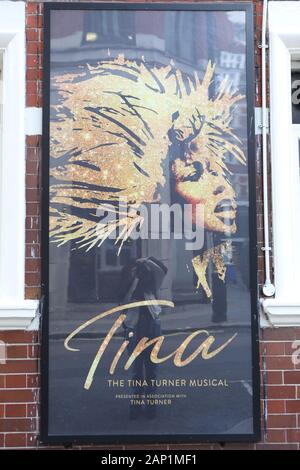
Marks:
<point>109,27</point>
<point>85,282</point>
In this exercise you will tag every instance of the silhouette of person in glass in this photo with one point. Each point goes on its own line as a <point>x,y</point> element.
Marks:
<point>141,280</point>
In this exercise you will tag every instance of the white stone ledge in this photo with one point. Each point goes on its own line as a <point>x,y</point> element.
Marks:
<point>279,312</point>
<point>21,316</point>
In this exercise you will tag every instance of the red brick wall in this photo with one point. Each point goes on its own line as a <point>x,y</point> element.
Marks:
<point>19,377</point>
<point>19,390</point>
<point>34,76</point>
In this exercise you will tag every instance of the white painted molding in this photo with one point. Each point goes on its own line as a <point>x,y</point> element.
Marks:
<point>15,311</point>
<point>284,34</point>
<point>33,121</point>
<point>19,317</point>
<point>280,313</point>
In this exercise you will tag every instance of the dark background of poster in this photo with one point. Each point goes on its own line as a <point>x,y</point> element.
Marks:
<point>79,280</point>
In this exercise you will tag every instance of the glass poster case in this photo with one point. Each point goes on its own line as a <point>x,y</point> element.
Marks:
<point>149,313</point>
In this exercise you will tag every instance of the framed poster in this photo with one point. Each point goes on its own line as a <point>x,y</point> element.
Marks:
<point>149,318</point>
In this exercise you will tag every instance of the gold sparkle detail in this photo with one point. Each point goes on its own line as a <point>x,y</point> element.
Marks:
<point>109,141</point>
<point>216,256</point>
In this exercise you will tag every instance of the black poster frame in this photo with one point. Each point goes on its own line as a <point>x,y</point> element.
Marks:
<point>247,7</point>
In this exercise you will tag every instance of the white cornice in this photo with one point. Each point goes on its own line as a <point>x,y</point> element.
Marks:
<point>19,316</point>
<point>281,312</point>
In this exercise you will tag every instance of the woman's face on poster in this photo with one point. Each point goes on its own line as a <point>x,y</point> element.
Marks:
<point>201,180</point>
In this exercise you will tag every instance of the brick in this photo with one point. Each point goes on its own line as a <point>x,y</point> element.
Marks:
<point>17,424</point>
<point>17,352</point>
<point>32,34</point>
<point>291,347</point>
<point>33,250</point>
<point>275,406</point>
<point>32,265</point>
<point>281,334</point>
<point>18,366</point>
<point>31,100</point>
<point>40,46</point>
<point>279,363</point>
<point>32,74</point>
<point>281,421</point>
<point>274,377</point>
<point>15,411</point>
<point>32,293</point>
<point>293,406</point>
<point>40,21</point>
<point>32,440</point>
<point>16,396</point>
<point>32,236</point>
<point>32,7</point>
<point>33,380</point>
<point>31,21</point>
<point>2,381</point>
<point>32,47</point>
<point>2,409</point>
<point>281,391</point>
<point>14,337</point>
<point>33,223</point>
<point>292,377</point>
<point>276,446</point>
<point>32,141</point>
<point>32,208</point>
<point>259,8</point>
<point>32,410</point>
<point>275,349</point>
<point>32,181</point>
<point>16,381</point>
<point>31,90</point>
<point>260,259</point>
<point>275,435</point>
<point>32,167</point>
<point>32,279</point>
<point>33,351</point>
<point>32,154</point>
<point>293,435</point>
<point>31,60</point>
<point>15,440</point>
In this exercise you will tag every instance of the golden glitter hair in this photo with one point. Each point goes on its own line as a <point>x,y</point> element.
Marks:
<point>112,126</point>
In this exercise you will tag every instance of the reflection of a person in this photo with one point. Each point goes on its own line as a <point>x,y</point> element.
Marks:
<point>219,289</point>
<point>141,280</point>
<point>202,179</point>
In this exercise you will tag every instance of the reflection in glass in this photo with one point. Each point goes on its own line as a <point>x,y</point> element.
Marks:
<point>142,114</point>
